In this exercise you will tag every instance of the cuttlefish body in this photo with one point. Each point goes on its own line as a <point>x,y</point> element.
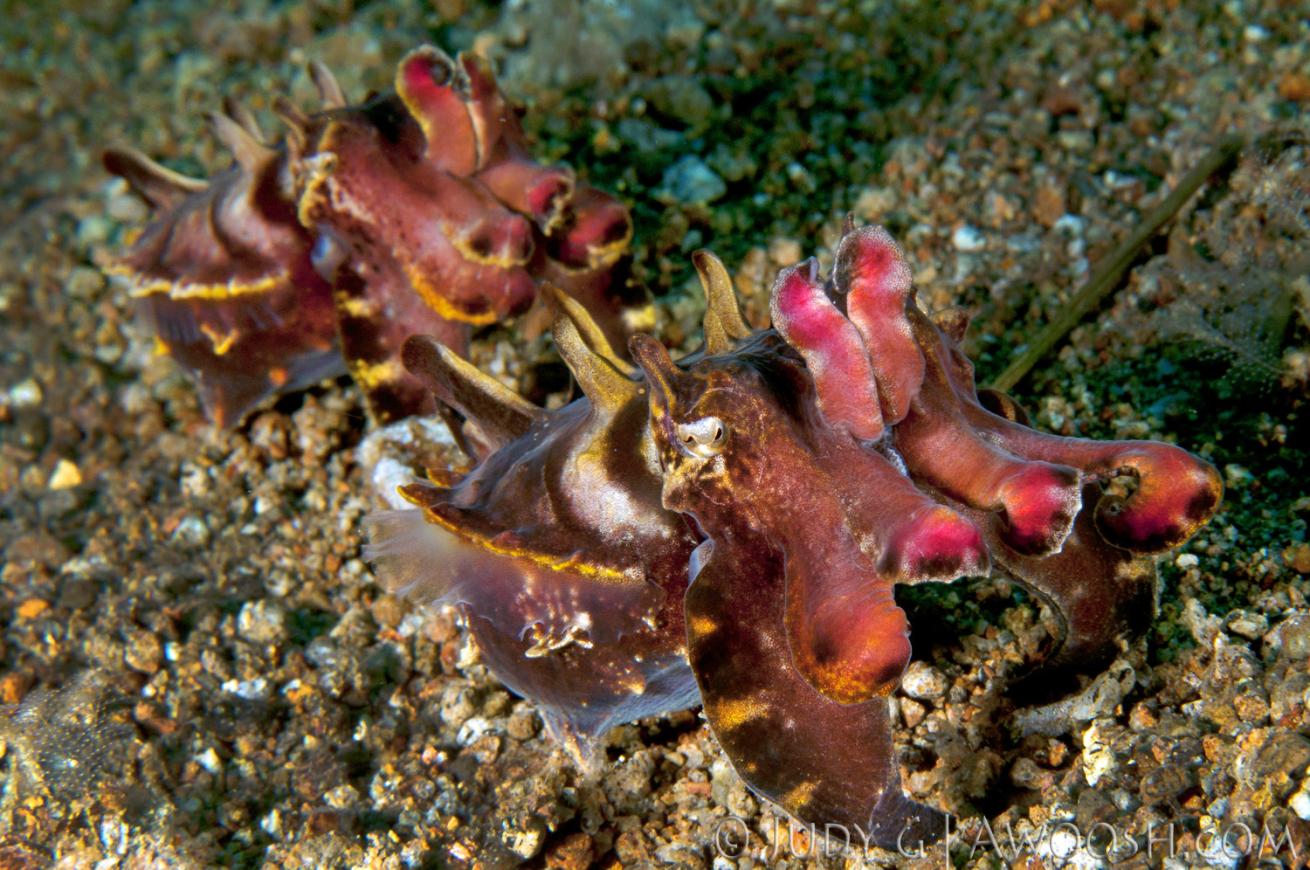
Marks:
<point>730,527</point>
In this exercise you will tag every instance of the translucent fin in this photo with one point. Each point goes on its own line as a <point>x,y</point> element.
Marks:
<point>592,655</point>
<point>400,547</point>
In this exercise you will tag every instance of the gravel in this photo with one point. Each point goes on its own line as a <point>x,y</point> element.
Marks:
<point>197,667</point>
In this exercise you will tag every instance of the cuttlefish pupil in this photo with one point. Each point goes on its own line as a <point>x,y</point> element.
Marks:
<point>704,438</point>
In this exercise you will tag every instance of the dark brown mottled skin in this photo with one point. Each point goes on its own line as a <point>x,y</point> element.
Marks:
<point>738,510</point>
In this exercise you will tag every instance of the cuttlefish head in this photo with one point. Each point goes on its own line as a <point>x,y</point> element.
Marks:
<point>724,423</point>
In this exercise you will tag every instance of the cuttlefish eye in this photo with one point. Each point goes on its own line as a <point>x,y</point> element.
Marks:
<point>704,437</point>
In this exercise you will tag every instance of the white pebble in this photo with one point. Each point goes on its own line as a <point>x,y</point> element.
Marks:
<point>209,760</point>
<point>1099,758</point>
<point>472,729</point>
<point>1236,475</point>
<point>261,622</point>
<point>193,531</point>
<point>968,239</point>
<point>1070,223</point>
<point>28,394</point>
<point>271,824</point>
<point>924,682</point>
<point>65,476</point>
<point>1300,802</point>
<point>249,690</point>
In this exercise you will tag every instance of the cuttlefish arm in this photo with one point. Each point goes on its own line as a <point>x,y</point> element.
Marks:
<point>793,633</point>
<point>818,759</point>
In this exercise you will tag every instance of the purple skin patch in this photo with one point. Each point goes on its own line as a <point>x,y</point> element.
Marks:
<point>730,528</point>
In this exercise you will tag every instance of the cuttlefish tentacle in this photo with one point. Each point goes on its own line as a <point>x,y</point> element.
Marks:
<point>1036,501</point>
<point>870,371</point>
<point>1176,492</point>
<point>427,81</point>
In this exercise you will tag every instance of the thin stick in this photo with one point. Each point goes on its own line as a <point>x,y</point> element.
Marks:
<point>1111,270</point>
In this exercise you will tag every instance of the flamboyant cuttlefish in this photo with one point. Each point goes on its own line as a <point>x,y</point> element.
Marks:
<point>729,528</point>
<point>419,211</point>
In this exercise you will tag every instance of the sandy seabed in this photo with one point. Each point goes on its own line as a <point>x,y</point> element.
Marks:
<point>198,668</point>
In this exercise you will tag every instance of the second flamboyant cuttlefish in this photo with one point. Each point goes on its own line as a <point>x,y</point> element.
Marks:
<point>729,528</point>
<point>418,211</point>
